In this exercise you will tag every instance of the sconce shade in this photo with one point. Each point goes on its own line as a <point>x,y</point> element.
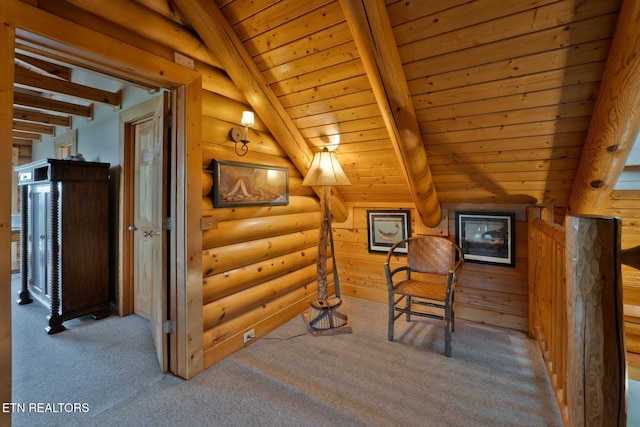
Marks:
<point>247,118</point>
<point>325,170</point>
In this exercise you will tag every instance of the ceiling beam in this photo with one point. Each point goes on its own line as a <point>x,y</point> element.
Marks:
<point>615,121</point>
<point>40,117</point>
<point>30,136</point>
<point>373,36</point>
<point>34,80</point>
<point>34,127</point>
<point>54,69</point>
<point>33,101</point>
<point>21,142</point>
<point>219,37</point>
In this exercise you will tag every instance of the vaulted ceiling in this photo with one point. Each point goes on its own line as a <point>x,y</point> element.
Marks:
<point>449,101</point>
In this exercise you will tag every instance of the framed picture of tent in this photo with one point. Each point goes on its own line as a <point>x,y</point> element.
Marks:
<point>246,184</point>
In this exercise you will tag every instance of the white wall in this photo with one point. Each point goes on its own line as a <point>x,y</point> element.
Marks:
<point>98,139</point>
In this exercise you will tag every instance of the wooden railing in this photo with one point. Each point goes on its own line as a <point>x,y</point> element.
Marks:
<point>575,314</point>
<point>547,301</point>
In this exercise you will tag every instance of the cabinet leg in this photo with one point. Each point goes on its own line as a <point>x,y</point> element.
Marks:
<point>24,298</point>
<point>55,324</point>
<point>101,314</point>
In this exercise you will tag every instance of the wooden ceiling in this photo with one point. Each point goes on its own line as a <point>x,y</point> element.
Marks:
<point>500,93</point>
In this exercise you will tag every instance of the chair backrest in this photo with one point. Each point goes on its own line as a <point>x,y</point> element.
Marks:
<point>431,254</point>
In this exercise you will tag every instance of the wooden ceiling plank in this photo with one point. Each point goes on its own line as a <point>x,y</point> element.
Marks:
<point>330,91</point>
<point>410,37</point>
<point>40,117</point>
<point>218,36</point>
<point>322,40</point>
<point>262,21</point>
<point>57,70</point>
<point>371,30</point>
<point>575,55</point>
<point>50,84</point>
<point>314,21</point>
<point>553,79</point>
<point>616,118</point>
<point>511,104</point>
<point>64,107</point>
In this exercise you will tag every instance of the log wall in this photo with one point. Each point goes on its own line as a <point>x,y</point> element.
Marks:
<point>488,294</point>
<point>259,263</point>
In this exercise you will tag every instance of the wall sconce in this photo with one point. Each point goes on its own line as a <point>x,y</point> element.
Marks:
<point>236,134</point>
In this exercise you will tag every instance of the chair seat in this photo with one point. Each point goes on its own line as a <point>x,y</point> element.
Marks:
<point>419,288</point>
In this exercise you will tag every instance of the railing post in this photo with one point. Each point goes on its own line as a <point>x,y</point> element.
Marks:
<point>596,354</point>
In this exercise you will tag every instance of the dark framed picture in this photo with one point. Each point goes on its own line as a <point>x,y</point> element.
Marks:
<point>246,184</point>
<point>487,237</point>
<point>386,228</point>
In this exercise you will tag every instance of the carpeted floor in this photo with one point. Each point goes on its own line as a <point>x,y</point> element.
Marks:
<point>104,373</point>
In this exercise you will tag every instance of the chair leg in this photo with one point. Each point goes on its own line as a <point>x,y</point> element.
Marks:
<point>391,313</point>
<point>447,332</point>
<point>453,315</point>
<point>408,307</point>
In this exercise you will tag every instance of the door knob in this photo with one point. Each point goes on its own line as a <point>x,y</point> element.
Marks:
<point>132,227</point>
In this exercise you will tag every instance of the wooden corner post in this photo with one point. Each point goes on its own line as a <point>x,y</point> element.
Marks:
<point>596,362</point>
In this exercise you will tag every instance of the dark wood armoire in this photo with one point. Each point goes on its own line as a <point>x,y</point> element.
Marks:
<point>65,238</point>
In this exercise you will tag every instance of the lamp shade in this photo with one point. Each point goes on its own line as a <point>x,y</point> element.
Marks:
<point>325,170</point>
<point>247,118</point>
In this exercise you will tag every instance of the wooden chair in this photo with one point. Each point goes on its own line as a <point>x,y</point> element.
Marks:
<point>428,285</point>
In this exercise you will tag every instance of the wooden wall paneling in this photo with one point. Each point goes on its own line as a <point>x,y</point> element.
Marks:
<point>216,81</point>
<point>218,286</point>
<point>236,230</point>
<point>217,131</point>
<point>297,204</point>
<point>7,34</point>
<point>488,294</point>
<point>227,338</point>
<point>246,300</point>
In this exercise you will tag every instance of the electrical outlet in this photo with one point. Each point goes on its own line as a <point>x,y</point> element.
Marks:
<point>248,336</point>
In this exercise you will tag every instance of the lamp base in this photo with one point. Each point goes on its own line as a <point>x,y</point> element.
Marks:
<point>326,317</point>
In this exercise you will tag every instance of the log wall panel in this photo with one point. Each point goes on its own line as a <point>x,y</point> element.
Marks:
<point>259,263</point>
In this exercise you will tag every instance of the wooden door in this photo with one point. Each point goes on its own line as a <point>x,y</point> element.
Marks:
<point>149,138</point>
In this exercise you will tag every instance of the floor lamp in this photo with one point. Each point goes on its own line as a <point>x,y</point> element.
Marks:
<point>326,314</point>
